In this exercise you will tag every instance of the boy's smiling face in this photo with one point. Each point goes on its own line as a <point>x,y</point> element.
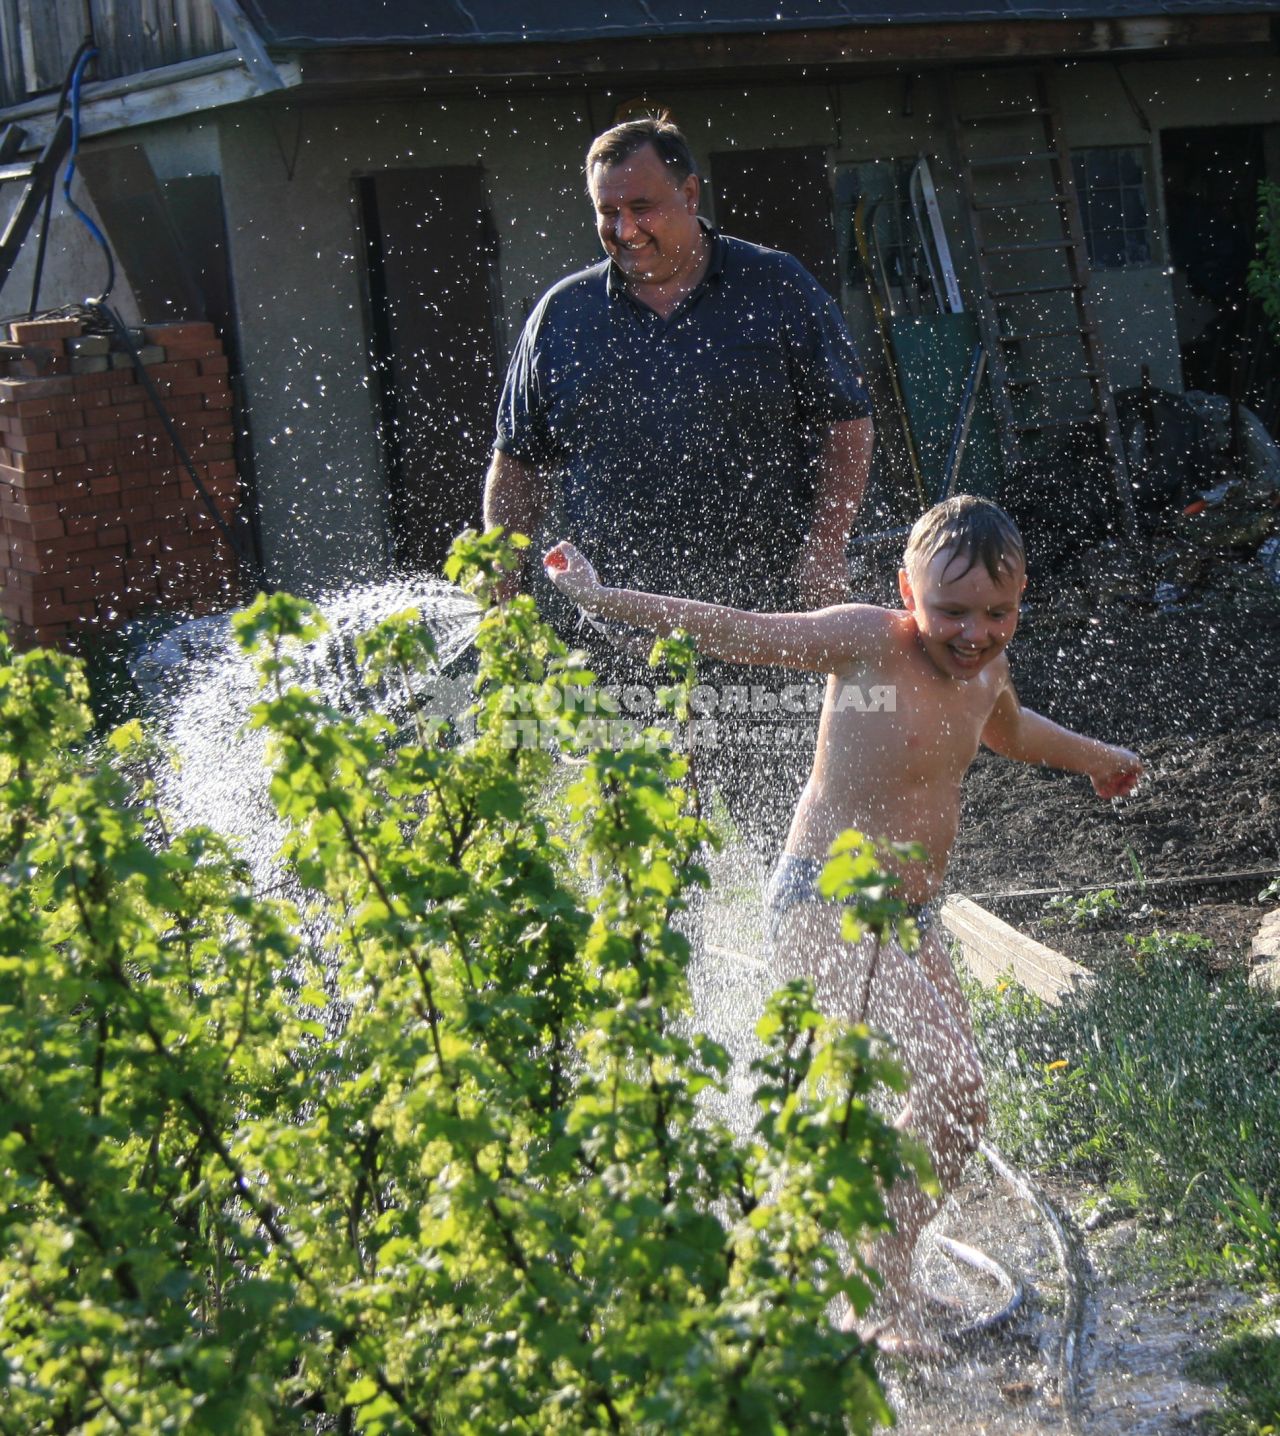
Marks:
<point>965,618</point>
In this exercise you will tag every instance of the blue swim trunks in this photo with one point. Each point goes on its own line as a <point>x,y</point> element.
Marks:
<point>795,881</point>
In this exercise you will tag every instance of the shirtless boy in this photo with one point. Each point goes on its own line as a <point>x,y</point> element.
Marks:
<point>894,774</point>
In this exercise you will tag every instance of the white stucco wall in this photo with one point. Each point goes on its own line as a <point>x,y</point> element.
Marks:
<point>75,268</point>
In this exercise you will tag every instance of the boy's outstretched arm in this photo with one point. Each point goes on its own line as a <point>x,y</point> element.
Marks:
<point>1016,732</point>
<point>813,642</point>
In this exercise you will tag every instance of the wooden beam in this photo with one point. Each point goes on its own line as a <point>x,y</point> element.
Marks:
<point>252,51</point>
<point>830,50</point>
<point>993,950</point>
<point>164,94</point>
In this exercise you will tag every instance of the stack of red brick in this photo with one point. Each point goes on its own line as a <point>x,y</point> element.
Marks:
<point>98,518</point>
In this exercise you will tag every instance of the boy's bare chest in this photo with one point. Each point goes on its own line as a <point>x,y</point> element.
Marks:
<point>922,728</point>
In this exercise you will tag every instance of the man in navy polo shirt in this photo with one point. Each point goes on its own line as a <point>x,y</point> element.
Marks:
<point>697,400</point>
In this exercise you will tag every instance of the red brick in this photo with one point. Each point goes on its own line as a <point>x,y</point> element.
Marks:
<point>109,562</point>
<point>218,400</point>
<point>65,489</point>
<point>113,456</point>
<point>88,383</point>
<point>210,453</point>
<point>173,369</point>
<point>180,405</point>
<point>26,330</point>
<point>143,482</point>
<point>138,567</point>
<point>184,384</point>
<point>79,403</point>
<point>90,503</point>
<point>24,443</point>
<point>25,556</point>
<point>31,408</point>
<point>215,364</point>
<point>79,590</point>
<point>63,613</point>
<point>39,364</point>
<point>36,532</point>
<point>225,491</point>
<point>20,389</point>
<point>28,465</point>
<point>198,349</point>
<point>31,512</point>
<point>45,423</point>
<point>98,434</point>
<point>180,331</point>
<point>110,537</point>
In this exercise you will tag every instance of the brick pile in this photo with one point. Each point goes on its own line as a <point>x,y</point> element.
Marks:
<point>98,518</point>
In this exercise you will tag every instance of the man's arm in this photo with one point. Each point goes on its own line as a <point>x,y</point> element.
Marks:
<point>1016,732</point>
<point>844,465</point>
<point>517,496</point>
<point>810,642</point>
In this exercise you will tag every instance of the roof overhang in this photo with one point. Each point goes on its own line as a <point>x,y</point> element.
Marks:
<point>829,51</point>
<point>291,25</point>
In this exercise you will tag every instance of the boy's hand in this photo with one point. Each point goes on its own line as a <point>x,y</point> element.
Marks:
<point>572,574</point>
<point>1116,776</point>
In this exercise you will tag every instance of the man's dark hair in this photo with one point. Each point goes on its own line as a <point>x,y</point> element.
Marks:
<point>973,530</point>
<point>623,140</point>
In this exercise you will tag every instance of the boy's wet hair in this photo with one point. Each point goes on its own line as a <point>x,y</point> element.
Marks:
<point>623,140</point>
<point>974,529</point>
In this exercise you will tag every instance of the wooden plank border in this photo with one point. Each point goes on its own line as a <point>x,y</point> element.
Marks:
<point>993,949</point>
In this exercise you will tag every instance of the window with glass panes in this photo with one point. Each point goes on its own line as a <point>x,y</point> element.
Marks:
<point>1112,187</point>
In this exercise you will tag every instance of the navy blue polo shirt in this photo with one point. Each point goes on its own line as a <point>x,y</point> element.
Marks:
<point>685,446</point>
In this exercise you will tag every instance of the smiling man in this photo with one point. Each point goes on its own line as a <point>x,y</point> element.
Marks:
<point>696,405</point>
<point>695,399</point>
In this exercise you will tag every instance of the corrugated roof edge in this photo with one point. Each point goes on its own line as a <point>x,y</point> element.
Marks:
<point>283,24</point>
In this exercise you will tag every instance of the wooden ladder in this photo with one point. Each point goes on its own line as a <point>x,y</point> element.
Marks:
<point>39,174</point>
<point>1046,361</point>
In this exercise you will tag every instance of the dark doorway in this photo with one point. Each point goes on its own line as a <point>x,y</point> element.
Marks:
<point>781,198</point>
<point>432,277</point>
<point>1211,202</point>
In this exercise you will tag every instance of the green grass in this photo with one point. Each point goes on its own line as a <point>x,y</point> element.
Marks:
<point>1161,1084</point>
<point>1247,1361</point>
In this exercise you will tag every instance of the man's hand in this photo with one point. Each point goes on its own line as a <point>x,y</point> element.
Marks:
<point>573,575</point>
<point>1117,775</point>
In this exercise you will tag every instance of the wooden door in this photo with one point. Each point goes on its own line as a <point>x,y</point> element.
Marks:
<point>781,198</point>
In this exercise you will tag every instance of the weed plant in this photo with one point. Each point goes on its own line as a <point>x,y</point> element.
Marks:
<point>1158,1080</point>
<point>1082,913</point>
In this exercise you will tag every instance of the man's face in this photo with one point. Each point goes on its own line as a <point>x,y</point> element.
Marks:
<point>965,618</point>
<point>647,222</point>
